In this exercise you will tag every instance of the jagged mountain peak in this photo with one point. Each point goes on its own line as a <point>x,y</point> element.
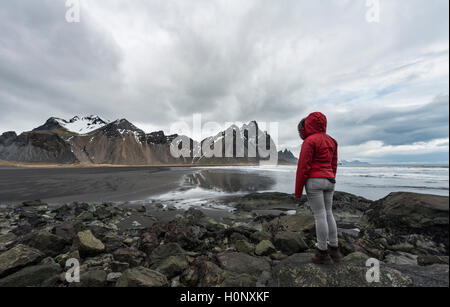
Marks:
<point>77,124</point>
<point>286,156</point>
<point>123,125</point>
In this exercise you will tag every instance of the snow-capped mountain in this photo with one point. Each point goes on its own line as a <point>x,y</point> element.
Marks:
<point>93,140</point>
<point>286,157</point>
<point>77,124</point>
<point>245,145</point>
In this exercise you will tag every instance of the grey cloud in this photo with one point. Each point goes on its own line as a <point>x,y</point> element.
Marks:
<point>50,67</point>
<point>396,126</point>
<point>229,60</point>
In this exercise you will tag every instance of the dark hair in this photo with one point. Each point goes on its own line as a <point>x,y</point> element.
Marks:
<point>301,125</point>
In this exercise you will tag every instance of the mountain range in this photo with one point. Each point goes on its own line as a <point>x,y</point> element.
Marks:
<point>93,140</point>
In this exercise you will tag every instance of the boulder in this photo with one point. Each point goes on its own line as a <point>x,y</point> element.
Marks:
<point>173,266</point>
<point>185,233</point>
<point>243,263</point>
<point>142,277</point>
<point>113,277</point>
<point>103,213</point>
<point>32,276</point>
<point>18,257</point>
<point>46,242</point>
<point>7,241</point>
<point>149,241</point>
<point>432,259</point>
<point>350,203</point>
<point>258,236</point>
<point>356,256</point>
<point>131,256</point>
<point>86,216</point>
<point>89,244</point>
<point>244,246</point>
<point>93,278</point>
<point>425,276</point>
<point>299,271</point>
<point>401,258</point>
<point>264,248</point>
<point>270,200</point>
<point>64,213</point>
<point>164,251</point>
<point>408,213</point>
<point>294,223</point>
<point>202,273</point>
<point>233,279</point>
<point>67,230</point>
<point>290,242</point>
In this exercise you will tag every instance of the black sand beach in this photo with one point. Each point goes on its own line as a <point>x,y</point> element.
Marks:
<point>87,184</point>
<point>117,184</point>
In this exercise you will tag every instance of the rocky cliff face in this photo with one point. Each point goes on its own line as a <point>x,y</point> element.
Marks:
<point>35,147</point>
<point>120,142</point>
<point>247,145</point>
<point>91,140</point>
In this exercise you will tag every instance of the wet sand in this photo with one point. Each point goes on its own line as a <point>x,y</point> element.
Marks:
<point>119,184</point>
<point>93,184</point>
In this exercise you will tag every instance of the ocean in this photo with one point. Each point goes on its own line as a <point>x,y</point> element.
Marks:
<point>372,182</point>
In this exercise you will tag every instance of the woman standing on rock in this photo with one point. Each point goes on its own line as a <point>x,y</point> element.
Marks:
<point>316,171</point>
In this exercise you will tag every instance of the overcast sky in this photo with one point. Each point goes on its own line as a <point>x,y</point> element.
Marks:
<point>383,86</point>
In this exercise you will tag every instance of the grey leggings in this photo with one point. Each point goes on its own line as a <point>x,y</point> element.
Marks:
<point>320,193</point>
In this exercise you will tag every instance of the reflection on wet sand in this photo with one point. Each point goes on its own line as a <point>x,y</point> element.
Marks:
<point>229,181</point>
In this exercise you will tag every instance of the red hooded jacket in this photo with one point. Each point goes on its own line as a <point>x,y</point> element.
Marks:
<point>319,154</point>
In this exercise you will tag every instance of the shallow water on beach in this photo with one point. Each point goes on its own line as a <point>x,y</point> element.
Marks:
<point>372,182</point>
<point>207,187</point>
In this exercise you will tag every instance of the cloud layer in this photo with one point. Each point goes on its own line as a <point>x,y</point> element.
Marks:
<point>383,86</point>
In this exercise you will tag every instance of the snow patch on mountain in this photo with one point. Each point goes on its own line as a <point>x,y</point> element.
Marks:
<point>82,125</point>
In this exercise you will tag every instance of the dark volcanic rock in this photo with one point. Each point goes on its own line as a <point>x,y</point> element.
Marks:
<point>428,276</point>
<point>67,230</point>
<point>46,242</point>
<point>89,244</point>
<point>32,276</point>
<point>142,277</point>
<point>298,271</point>
<point>293,223</point>
<point>173,266</point>
<point>204,273</point>
<point>149,241</point>
<point>164,251</point>
<point>17,258</point>
<point>185,233</point>
<point>411,213</point>
<point>431,259</point>
<point>94,278</point>
<point>290,242</point>
<point>243,263</point>
<point>270,200</point>
<point>350,203</point>
<point>192,249</point>
<point>131,256</point>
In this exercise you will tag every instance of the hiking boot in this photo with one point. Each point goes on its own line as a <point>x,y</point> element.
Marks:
<point>335,254</point>
<point>321,257</point>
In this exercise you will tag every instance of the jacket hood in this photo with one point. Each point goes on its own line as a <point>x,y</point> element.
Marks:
<point>315,123</point>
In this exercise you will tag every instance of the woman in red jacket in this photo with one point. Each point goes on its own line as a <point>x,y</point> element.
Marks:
<point>316,172</point>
